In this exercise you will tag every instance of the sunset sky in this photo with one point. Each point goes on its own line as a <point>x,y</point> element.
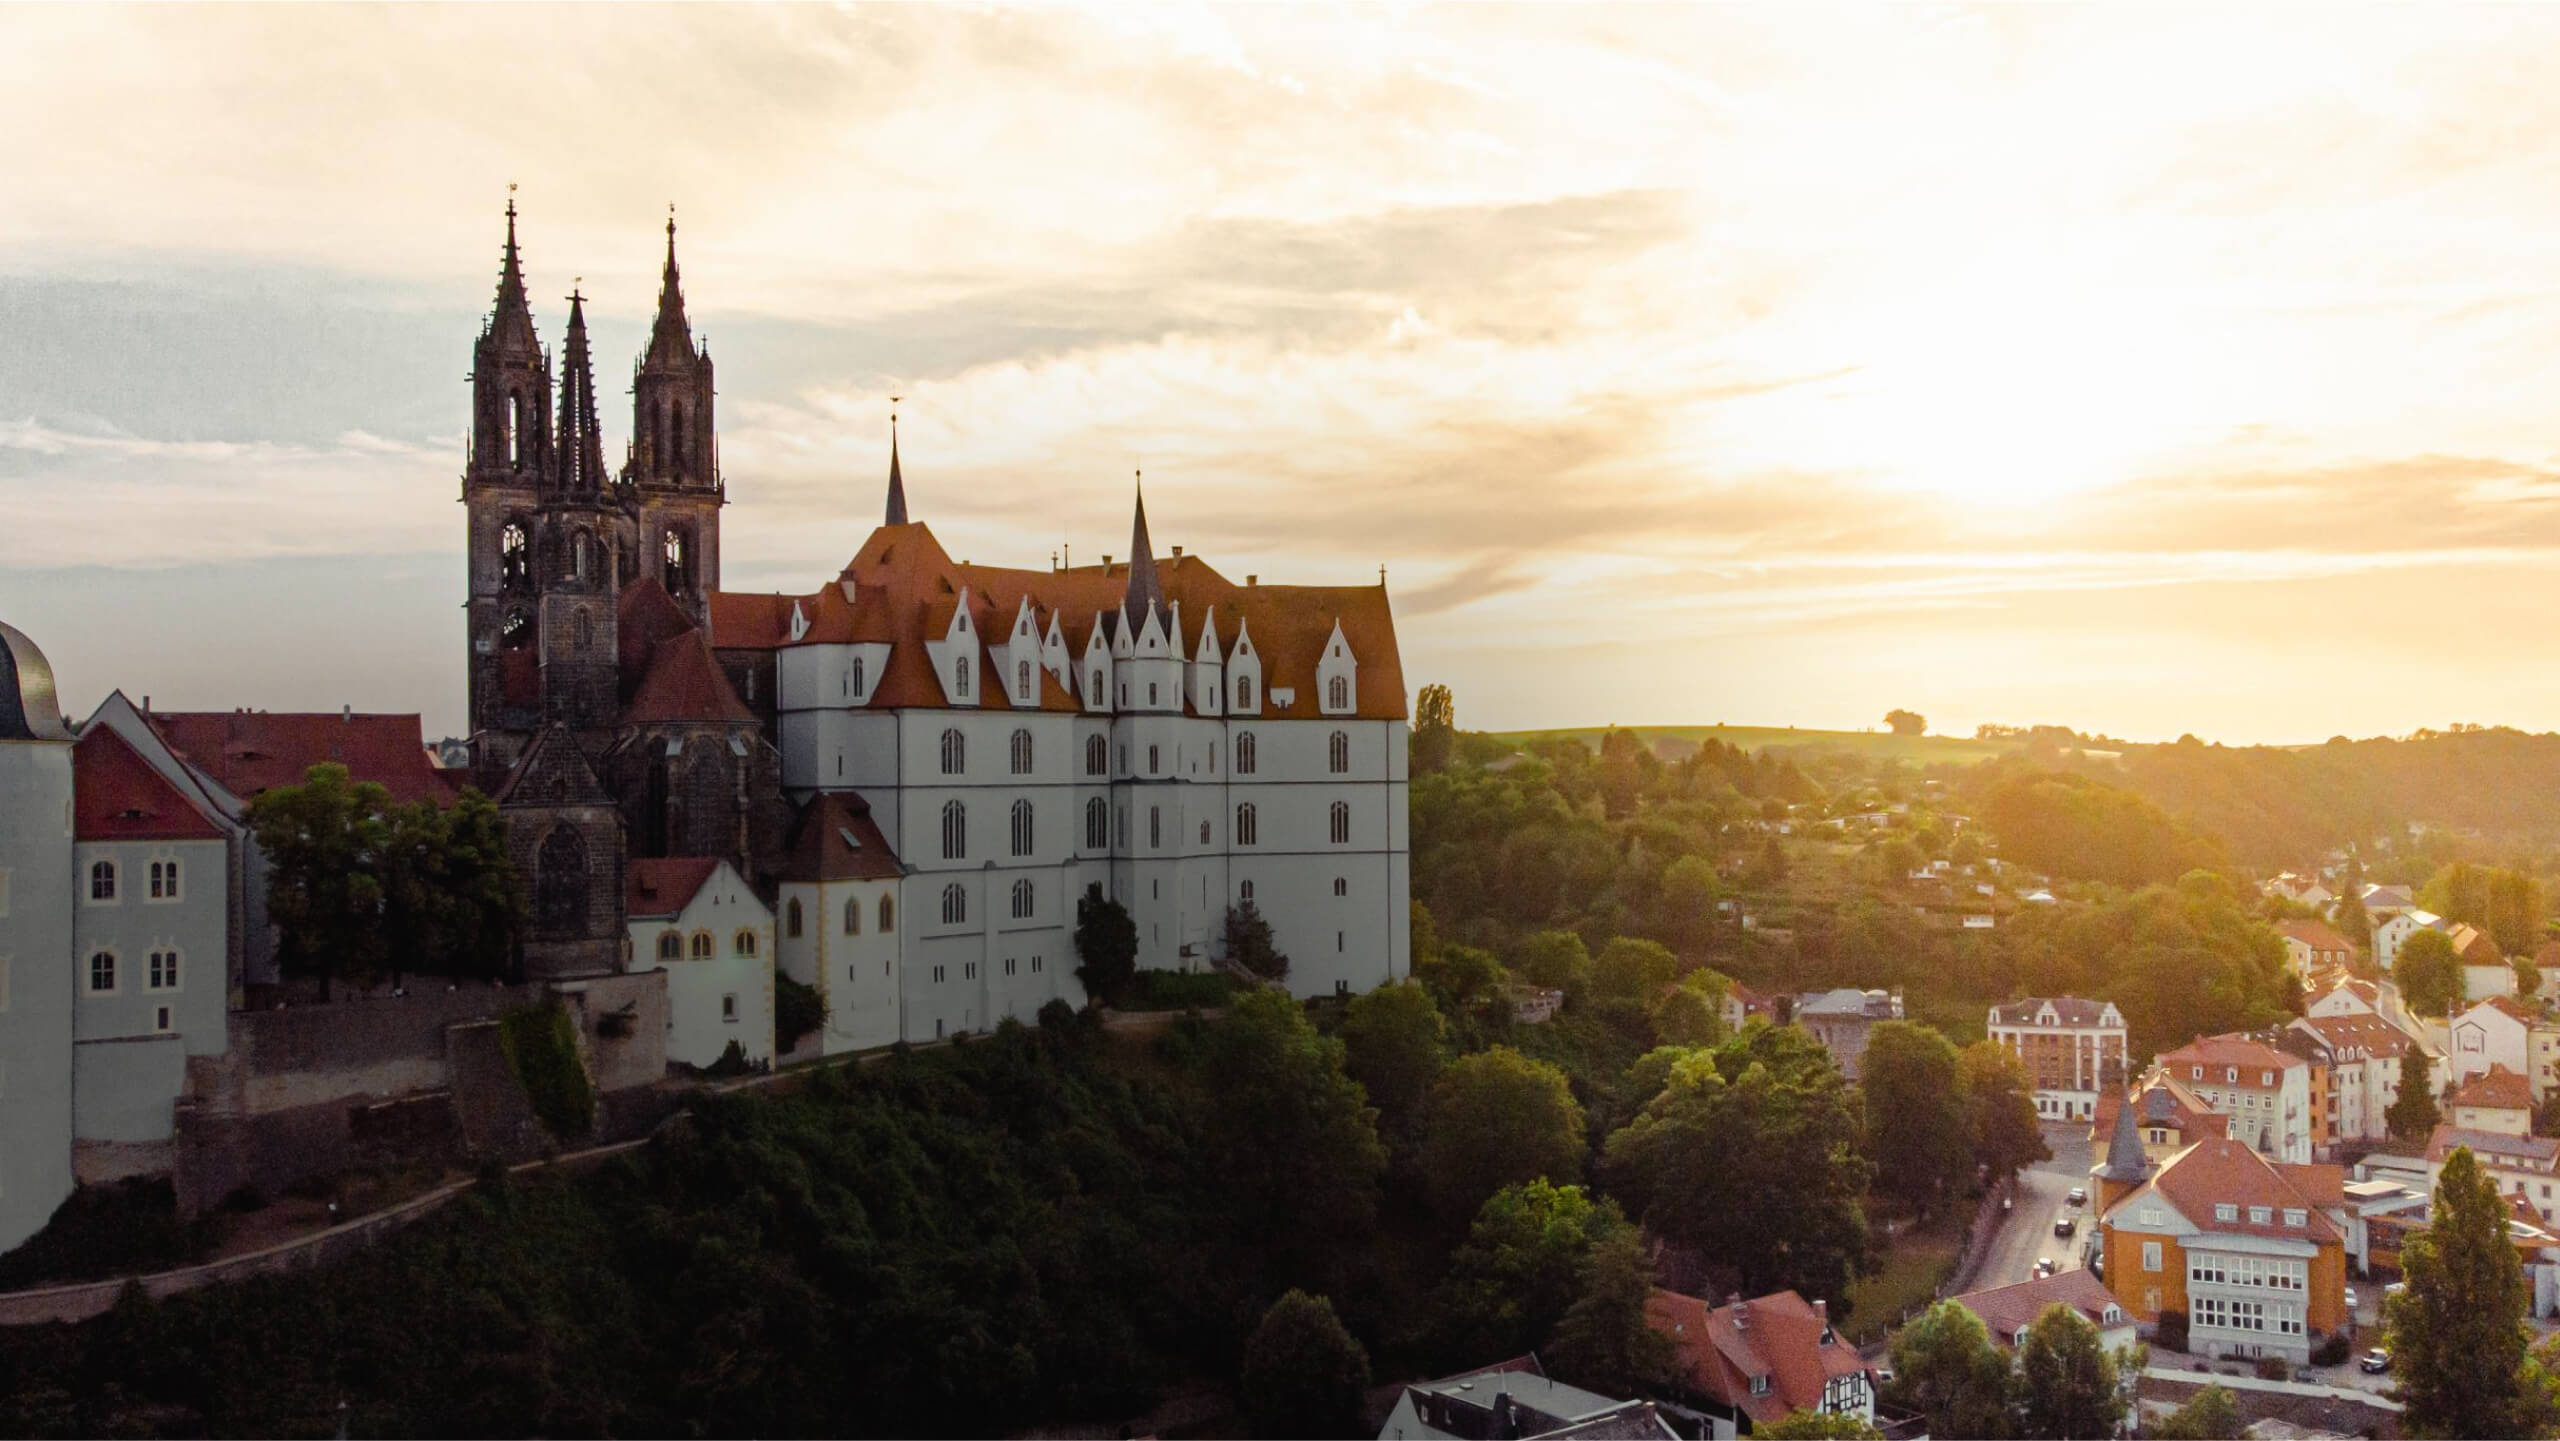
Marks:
<point>2146,370</point>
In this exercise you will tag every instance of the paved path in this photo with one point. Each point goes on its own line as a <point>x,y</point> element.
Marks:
<point>2027,1233</point>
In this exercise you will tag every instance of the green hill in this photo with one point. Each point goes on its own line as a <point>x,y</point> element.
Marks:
<point>1872,745</point>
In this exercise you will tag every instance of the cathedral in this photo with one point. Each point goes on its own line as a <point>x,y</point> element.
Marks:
<point>920,765</point>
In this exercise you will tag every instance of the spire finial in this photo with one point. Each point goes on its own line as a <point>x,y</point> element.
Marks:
<point>897,513</point>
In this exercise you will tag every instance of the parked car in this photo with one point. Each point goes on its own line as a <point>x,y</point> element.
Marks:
<point>2351,1303</point>
<point>2044,1266</point>
<point>2374,1362</point>
<point>2065,1224</point>
<point>2079,1196</point>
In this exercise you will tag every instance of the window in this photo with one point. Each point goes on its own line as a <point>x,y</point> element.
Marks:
<point>2196,1073</point>
<point>164,880</point>
<point>1093,696</point>
<point>1338,754</point>
<point>2225,1211</point>
<point>1097,824</point>
<point>969,970</point>
<point>791,919</point>
<point>1022,680</point>
<point>1204,840</point>
<point>1008,965</point>
<point>1155,759</point>
<point>102,972</point>
<point>1244,754</point>
<point>1244,890</point>
<point>743,943</point>
<point>2151,1255</point>
<point>955,753</point>
<point>162,1019</point>
<point>163,975</point>
<point>1244,692</point>
<point>1337,693</point>
<point>1341,824</point>
<point>515,565</point>
<point>1021,753</point>
<point>1022,900</point>
<point>1155,827</point>
<point>960,676</point>
<point>955,830</point>
<point>937,980</point>
<point>1022,828</point>
<point>583,631</point>
<point>102,881</point>
<point>853,915</point>
<point>856,682</point>
<point>1245,828</point>
<point>1341,886</point>
<point>1035,965</point>
<point>1151,692</point>
<point>729,1008</point>
<point>671,946</point>
<point>1760,1384</point>
<point>2294,1215</point>
<point>1097,756</point>
<point>2261,1215</point>
<point>888,915</point>
<point>955,904</point>
<point>561,884</point>
<point>702,945</point>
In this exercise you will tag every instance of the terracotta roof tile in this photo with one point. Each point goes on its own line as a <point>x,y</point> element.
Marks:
<point>644,617</point>
<point>819,848</point>
<point>749,620</point>
<point>118,796</point>
<point>246,752</point>
<point>2072,1011</point>
<point>684,683</point>
<point>2008,1310</point>
<point>2221,1171</point>
<point>661,887</point>
<point>2247,1054</point>
<point>2496,1087</point>
<point>1720,1349</point>
<point>2314,934</point>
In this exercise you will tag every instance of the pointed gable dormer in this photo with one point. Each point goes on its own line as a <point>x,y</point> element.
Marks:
<point>1337,676</point>
<point>1022,659</point>
<point>1053,654</point>
<point>955,652</point>
<point>1244,674</point>
<point>1095,679</point>
<point>1208,686</point>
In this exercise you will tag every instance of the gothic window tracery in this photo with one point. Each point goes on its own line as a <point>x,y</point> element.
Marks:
<point>515,556</point>
<point>560,884</point>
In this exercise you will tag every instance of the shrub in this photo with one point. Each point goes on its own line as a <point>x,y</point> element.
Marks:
<point>2273,1368</point>
<point>100,1231</point>
<point>2172,1335</point>
<point>797,1010</point>
<point>2332,1350</point>
<point>1177,991</point>
<point>542,1049</point>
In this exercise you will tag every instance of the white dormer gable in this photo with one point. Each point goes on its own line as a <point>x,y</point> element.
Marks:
<point>799,621</point>
<point>1244,674</point>
<point>1337,676</point>
<point>955,657</point>
<point>1151,640</point>
<point>1094,684</point>
<point>1054,657</point>
<point>1022,658</point>
<point>1208,688</point>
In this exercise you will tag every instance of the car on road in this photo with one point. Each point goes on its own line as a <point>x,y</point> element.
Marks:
<point>2044,1266</point>
<point>2351,1303</point>
<point>2079,1196</point>
<point>2374,1362</point>
<point>2065,1224</point>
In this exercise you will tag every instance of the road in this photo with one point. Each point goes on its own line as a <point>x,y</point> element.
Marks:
<point>2028,1232</point>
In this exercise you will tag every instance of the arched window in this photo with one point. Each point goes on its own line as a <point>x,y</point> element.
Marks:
<point>163,975</point>
<point>1097,755</point>
<point>955,753</point>
<point>1244,890</point>
<point>1244,754</point>
<point>1155,759</point>
<point>702,945</point>
<point>1341,886</point>
<point>1155,828</point>
<point>517,631</point>
<point>853,915</point>
<point>791,919</point>
<point>743,943</point>
<point>1204,832</point>
<point>1244,692</point>
<point>960,676</point>
<point>955,904</point>
<point>1341,823</point>
<point>582,547</point>
<point>857,674</point>
<point>516,428</point>
<point>678,561</point>
<point>584,629</point>
<point>1093,697</point>
<point>1022,681</point>
<point>675,461</point>
<point>1338,755</point>
<point>560,884</point>
<point>955,831</point>
<point>888,915</point>
<point>1022,828</point>
<point>1022,900</point>
<point>1337,693</point>
<point>671,945</point>
<point>102,971</point>
<point>102,881</point>
<point>515,556</point>
<point>1097,824</point>
<point>1245,827</point>
<point>1021,753</point>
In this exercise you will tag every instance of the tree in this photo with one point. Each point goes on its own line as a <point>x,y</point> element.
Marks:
<point>2528,978</point>
<point>1435,729</point>
<point>1107,944</point>
<point>1684,1017</point>
<point>2068,1386</point>
<point>2428,972</point>
<point>1750,1153</point>
<point>2212,1414</point>
<point>1633,968</point>
<point>798,1009</point>
<point>1391,1041</point>
<point>1967,850</point>
<point>1496,1118</point>
<point>2000,1110</point>
<point>1557,959</point>
<point>1803,1425</point>
<point>1687,897</point>
<point>1918,1134</point>
<point>1604,1343</point>
<point>1463,978</point>
<point>1946,1368</point>
<point>1520,1270</point>
<point>1304,1375</point>
<point>2457,1328</point>
<point>1906,722</point>
<point>2412,1115</point>
<point>1249,942</point>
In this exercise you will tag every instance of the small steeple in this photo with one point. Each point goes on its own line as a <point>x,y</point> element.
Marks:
<point>511,320</point>
<point>2126,1161</point>
<point>581,446</point>
<point>1145,588</point>
<point>897,481</point>
<point>670,339</point>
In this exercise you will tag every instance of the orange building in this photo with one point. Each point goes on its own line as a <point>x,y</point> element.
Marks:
<point>2249,1249</point>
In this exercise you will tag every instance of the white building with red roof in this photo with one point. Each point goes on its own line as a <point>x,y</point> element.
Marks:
<point>1747,1363</point>
<point>2524,1167</point>
<point>841,923</point>
<point>2265,1091</point>
<point>2007,1311</point>
<point>2311,947</point>
<point>697,919</point>
<point>2069,1046</point>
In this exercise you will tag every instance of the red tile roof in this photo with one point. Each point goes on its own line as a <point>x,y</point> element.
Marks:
<point>645,617</point>
<point>246,752</point>
<point>2008,1310</point>
<point>662,887</point>
<point>117,796</point>
<point>2249,1056</point>
<point>684,683</point>
<point>1717,1351</point>
<point>2165,1101</point>
<point>2535,1153</point>
<point>2222,1171</point>
<point>2372,1035</point>
<point>835,839</point>
<point>2513,1008</point>
<point>2495,1087</point>
<point>2316,935</point>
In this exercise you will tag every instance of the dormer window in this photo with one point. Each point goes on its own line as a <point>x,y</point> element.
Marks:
<point>960,676</point>
<point>1244,692</point>
<point>1760,1384</point>
<point>2266,1078</point>
<point>1337,692</point>
<point>2296,1216</point>
<point>2262,1215</point>
<point>2225,1211</point>
<point>2196,1072</point>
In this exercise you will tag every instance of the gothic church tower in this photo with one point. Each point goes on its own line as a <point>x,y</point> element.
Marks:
<point>674,464</point>
<point>509,460</point>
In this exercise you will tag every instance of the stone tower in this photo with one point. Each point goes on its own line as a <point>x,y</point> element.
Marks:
<point>510,458</point>
<point>674,465</point>
<point>582,514</point>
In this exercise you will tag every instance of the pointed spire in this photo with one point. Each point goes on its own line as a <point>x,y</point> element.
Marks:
<point>670,339</point>
<point>897,481</point>
<point>511,320</point>
<point>2126,1160</point>
<point>581,446</point>
<point>1145,588</point>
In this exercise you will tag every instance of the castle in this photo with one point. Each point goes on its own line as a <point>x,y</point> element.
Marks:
<point>894,788</point>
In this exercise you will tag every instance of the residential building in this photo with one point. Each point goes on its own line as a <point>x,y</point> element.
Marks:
<point>2339,994</point>
<point>2381,902</point>
<point>37,910</point>
<point>1742,1005</point>
<point>2252,1251</point>
<point>840,923</point>
<point>2392,929</point>
<point>2497,1031</point>
<point>2311,947</point>
<point>2494,1100</point>
<point>2360,1067</point>
<point>2068,1046</point>
<point>695,918</point>
<point>2301,890</point>
<point>1515,1401</point>
<point>2381,1215</point>
<point>2526,1166</point>
<point>2168,1117</point>
<point>2264,1090</point>
<point>2007,1311</point>
<point>1841,1019</point>
<point>1747,1363</point>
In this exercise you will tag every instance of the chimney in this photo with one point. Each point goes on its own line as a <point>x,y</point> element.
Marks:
<point>1177,552</point>
<point>347,713</point>
<point>1741,1312</point>
<point>1253,580</point>
<point>1106,560</point>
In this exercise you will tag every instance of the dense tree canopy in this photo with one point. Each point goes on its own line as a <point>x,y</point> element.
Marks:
<point>1497,1118</point>
<point>2457,1328</point>
<point>1918,1133</point>
<point>1947,1369</point>
<point>1304,1375</point>
<point>1523,1265</point>
<point>1392,1045</point>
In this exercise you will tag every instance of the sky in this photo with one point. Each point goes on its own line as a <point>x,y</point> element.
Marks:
<point>2150,370</point>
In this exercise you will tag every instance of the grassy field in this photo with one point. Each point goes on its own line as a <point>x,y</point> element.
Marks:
<point>1914,1263</point>
<point>1918,750</point>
